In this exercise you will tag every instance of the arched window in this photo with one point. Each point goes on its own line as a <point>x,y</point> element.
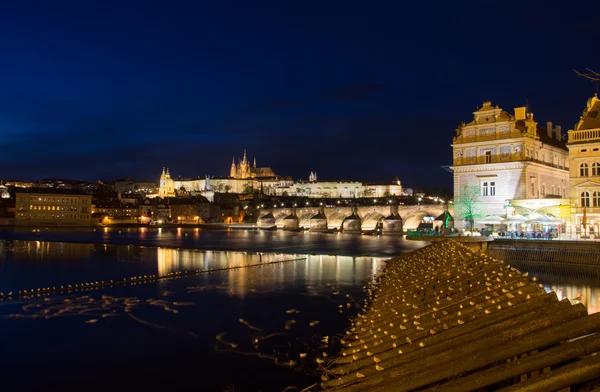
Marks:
<point>585,199</point>
<point>596,199</point>
<point>583,170</point>
<point>596,169</point>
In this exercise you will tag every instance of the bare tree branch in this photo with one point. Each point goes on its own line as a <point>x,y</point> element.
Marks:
<point>591,75</point>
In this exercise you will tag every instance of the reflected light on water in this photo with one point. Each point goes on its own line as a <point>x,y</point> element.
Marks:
<point>305,269</point>
<point>589,296</point>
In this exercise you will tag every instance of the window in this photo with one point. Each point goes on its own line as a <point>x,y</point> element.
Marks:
<point>553,189</point>
<point>585,199</point>
<point>584,150</point>
<point>583,170</point>
<point>596,169</point>
<point>564,192</point>
<point>487,156</point>
<point>596,199</point>
<point>533,188</point>
<point>543,190</point>
<point>488,188</point>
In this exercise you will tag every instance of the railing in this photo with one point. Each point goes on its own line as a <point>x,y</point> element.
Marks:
<point>516,157</point>
<point>584,135</point>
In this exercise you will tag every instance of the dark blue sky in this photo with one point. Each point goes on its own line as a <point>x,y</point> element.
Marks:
<point>352,90</point>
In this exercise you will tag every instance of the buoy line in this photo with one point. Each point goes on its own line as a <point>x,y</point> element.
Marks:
<point>86,286</point>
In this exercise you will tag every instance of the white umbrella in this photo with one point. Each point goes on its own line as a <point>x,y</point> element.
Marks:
<point>491,220</point>
<point>542,219</point>
<point>516,218</point>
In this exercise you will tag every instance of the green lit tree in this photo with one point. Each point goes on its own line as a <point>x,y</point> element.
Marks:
<point>466,204</point>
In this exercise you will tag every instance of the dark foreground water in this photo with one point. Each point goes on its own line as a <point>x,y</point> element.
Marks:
<point>251,329</point>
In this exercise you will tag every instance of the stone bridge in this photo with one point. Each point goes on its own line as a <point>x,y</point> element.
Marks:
<point>389,218</point>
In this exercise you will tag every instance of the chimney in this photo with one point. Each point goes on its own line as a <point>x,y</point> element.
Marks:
<point>549,128</point>
<point>520,113</point>
<point>558,133</point>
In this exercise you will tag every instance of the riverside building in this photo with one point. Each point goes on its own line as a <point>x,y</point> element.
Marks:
<point>52,208</point>
<point>584,174</point>
<point>507,163</point>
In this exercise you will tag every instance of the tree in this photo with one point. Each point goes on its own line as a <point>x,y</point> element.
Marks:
<point>466,204</point>
<point>591,75</point>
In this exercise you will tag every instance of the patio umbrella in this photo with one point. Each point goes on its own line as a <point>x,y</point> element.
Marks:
<point>491,220</point>
<point>516,218</point>
<point>541,219</point>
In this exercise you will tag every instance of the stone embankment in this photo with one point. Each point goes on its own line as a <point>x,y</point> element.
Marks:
<point>447,318</point>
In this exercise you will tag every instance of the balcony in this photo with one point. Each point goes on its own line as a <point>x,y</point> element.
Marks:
<point>516,157</point>
<point>585,135</point>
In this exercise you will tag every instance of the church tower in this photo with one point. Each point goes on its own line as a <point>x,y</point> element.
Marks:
<point>245,166</point>
<point>233,171</point>
<point>167,185</point>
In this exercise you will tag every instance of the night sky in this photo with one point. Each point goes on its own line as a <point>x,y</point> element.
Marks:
<point>352,90</point>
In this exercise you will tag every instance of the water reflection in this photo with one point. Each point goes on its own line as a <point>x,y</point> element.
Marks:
<point>306,269</point>
<point>584,293</point>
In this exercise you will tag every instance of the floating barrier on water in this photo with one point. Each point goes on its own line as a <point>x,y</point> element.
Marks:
<point>445,318</point>
<point>85,286</point>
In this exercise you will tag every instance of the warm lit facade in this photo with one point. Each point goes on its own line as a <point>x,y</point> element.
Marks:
<point>243,170</point>
<point>52,209</point>
<point>584,178</point>
<point>246,179</point>
<point>501,157</point>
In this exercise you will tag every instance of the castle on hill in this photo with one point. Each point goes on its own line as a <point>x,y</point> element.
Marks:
<point>243,170</point>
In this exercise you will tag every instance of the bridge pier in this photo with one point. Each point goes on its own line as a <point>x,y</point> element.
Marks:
<point>266,221</point>
<point>318,223</point>
<point>352,224</point>
<point>291,222</point>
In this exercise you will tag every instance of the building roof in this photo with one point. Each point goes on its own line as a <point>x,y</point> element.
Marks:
<point>53,191</point>
<point>591,115</point>
<point>542,133</point>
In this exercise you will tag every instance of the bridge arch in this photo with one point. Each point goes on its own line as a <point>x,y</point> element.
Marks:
<point>279,219</point>
<point>412,220</point>
<point>335,220</point>
<point>370,221</point>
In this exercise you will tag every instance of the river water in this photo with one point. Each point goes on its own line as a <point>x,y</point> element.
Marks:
<point>245,329</point>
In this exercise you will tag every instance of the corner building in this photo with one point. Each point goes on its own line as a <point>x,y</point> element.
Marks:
<point>509,157</point>
<point>584,174</point>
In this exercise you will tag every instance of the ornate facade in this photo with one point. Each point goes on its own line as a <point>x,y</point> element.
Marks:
<point>243,170</point>
<point>498,157</point>
<point>584,174</point>
<point>245,179</point>
<point>167,185</point>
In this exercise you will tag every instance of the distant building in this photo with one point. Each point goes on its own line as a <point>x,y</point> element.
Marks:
<point>502,157</point>
<point>246,179</point>
<point>43,207</point>
<point>115,211</point>
<point>584,174</point>
<point>133,186</point>
<point>243,170</point>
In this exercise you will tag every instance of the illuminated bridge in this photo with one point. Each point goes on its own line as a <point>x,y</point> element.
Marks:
<point>392,219</point>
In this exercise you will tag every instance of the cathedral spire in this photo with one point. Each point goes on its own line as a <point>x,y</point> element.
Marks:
<point>255,162</point>
<point>245,159</point>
